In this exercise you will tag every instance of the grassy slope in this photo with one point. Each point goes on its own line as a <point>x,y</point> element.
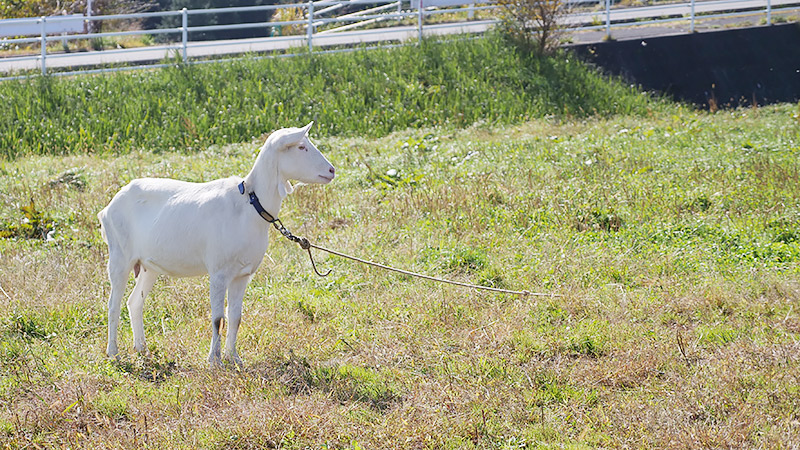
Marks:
<point>674,240</point>
<point>358,94</point>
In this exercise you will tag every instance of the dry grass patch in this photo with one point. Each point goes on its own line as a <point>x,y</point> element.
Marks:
<point>678,324</point>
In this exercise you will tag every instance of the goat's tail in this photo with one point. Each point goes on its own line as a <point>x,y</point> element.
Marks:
<point>106,227</point>
<point>101,217</point>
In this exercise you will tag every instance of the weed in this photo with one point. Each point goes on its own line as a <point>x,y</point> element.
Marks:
<point>72,178</point>
<point>700,203</point>
<point>784,231</point>
<point>309,311</point>
<point>551,389</point>
<point>422,145</point>
<point>492,277</point>
<point>599,220</point>
<point>717,334</point>
<point>392,178</point>
<point>100,43</point>
<point>589,338</point>
<point>349,383</point>
<point>28,325</point>
<point>35,224</point>
<point>113,405</point>
<point>152,368</point>
<point>465,260</point>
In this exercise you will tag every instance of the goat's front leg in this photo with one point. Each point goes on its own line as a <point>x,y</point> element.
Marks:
<point>219,285</point>
<point>235,299</point>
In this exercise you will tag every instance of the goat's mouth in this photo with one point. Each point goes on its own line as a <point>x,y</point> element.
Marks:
<point>327,179</point>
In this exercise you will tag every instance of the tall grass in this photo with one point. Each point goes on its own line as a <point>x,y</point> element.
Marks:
<point>367,93</point>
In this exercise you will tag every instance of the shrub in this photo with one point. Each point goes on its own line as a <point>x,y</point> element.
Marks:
<point>536,23</point>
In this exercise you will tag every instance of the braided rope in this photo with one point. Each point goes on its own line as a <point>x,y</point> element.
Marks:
<point>427,277</point>
<point>306,245</point>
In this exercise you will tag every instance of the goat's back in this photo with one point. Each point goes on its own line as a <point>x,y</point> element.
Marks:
<point>181,228</point>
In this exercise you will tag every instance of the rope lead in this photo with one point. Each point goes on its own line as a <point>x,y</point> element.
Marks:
<point>306,245</point>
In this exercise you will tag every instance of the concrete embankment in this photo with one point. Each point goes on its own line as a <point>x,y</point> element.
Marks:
<point>734,67</point>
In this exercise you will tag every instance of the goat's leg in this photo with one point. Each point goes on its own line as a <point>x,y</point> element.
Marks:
<point>144,283</point>
<point>219,285</point>
<point>235,299</point>
<point>118,273</point>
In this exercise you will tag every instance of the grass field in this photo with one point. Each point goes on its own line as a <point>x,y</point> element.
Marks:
<point>671,237</point>
<point>673,240</point>
<point>186,108</point>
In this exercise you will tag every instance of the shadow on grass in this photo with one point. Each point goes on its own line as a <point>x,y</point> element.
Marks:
<point>343,382</point>
<point>152,367</point>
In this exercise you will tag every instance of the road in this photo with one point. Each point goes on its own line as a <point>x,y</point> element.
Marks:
<point>241,46</point>
<point>390,34</point>
<point>675,9</point>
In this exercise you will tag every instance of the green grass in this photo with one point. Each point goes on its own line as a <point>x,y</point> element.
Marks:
<point>672,238</point>
<point>365,93</point>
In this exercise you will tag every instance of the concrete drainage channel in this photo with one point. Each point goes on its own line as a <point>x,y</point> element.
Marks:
<point>737,67</point>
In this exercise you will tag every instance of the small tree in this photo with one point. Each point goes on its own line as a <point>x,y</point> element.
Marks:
<point>11,9</point>
<point>535,22</point>
<point>288,15</point>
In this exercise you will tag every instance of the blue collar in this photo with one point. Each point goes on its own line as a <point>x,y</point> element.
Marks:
<point>257,205</point>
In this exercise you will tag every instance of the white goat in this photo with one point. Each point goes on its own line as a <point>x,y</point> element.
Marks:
<point>162,226</point>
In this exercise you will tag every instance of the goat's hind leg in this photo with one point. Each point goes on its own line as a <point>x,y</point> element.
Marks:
<point>145,280</point>
<point>118,273</point>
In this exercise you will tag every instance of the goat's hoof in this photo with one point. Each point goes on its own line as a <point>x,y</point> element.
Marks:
<point>215,362</point>
<point>237,362</point>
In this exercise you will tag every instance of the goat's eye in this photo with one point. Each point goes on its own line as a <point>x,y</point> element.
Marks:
<point>302,147</point>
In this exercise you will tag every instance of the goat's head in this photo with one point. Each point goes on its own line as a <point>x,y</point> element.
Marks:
<point>298,158</point>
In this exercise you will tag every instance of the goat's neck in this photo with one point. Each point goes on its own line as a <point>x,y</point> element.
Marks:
<point>264,179</point>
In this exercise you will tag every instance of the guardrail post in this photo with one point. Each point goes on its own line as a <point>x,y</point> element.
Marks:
<point>310,30</point>
<point>420,20</point>
<point>43,21</point>
<point>608,19</point>
<point>185,34</point>
<point>691,30</point>
<point>87,25</point>
<point>769,12</point>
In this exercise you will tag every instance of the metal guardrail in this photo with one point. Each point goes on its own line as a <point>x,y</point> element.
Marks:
<point>585,15</point>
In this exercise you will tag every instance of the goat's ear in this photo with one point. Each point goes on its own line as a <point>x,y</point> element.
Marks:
<point>307,128</point>
<point>287,136</point>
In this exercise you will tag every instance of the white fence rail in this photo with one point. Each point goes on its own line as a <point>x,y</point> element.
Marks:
<point>322,30</point>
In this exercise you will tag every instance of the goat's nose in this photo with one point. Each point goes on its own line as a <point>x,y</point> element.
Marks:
<point>332,170</point>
